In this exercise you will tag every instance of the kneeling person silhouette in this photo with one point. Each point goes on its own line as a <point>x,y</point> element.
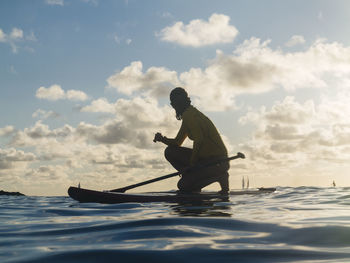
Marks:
<point>207,147</point>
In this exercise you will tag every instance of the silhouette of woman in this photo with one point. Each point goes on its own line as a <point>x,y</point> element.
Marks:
<point>207,146</point>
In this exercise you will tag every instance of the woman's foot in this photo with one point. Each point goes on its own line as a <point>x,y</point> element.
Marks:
<point>224,184</point>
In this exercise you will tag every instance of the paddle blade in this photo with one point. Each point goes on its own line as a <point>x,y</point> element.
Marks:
<point>119,190</point>
<point>240,155</point>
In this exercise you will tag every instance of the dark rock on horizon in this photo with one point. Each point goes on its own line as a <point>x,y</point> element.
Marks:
<point>11,193</point>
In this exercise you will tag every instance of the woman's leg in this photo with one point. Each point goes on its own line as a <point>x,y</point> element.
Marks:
<point>195,181</point>
<point>179,157</point>
<point>206,177</point>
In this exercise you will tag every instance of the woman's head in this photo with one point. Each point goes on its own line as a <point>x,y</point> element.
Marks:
<point>179,100</point>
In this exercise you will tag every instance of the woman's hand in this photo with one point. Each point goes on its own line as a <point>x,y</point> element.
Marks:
<point>158,137</point>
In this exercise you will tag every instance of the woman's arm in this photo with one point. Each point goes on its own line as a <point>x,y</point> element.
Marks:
<point>198,140</point>
<point>177,141</point>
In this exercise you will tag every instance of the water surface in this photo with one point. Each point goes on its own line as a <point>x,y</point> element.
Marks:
<point>302,224</point>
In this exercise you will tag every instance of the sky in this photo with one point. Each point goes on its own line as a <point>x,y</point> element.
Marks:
<point>84,86</point>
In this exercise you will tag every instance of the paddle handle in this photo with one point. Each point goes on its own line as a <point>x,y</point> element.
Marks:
<point>193,168</point>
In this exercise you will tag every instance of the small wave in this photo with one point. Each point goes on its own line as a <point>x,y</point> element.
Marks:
<point>189,255</point>
<point>291,225</point>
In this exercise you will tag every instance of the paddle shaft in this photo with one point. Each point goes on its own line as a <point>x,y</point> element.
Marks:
<point>194,168</point>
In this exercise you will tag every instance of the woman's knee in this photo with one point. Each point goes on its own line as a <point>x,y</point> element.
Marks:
<point>179,157</point>
<point>188,185</point>
<point>169,152</point>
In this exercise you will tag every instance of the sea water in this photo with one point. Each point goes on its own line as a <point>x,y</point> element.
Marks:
<point>303,224</point>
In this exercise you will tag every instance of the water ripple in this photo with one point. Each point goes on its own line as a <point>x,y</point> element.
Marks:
<point>291,225</point>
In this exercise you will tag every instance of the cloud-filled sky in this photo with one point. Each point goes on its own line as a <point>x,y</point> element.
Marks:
<point>84,87</point>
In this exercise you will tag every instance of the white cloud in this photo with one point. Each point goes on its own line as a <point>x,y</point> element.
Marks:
<point>31,37</point>
<point>335,109</point>
<point>43,115</point>
<point>47,173</point>
<point>253,68</point>
<point>16,33</point>
<point>291,112</point>
<point>76,95</point>
<point>112,132</point>
<point>201,33</point>
<point>55,2</point>
<point>256,68</point>
<point>288,136</point>
<point>295,40</point>
<point>100,105</point>
<point>2,36</point>
<point>41,130</point>
<point>135,123</point>
<point>7,130</point>
<point>10,156</point>
<point>40,134</point>
<point>116,39</point>
<point>15,37</point>
<point>121,39</point>
<point>55,92</point>
<point>144,113</point>
<point>90,152</point>
<point>293,136</point>
<point>156,80</point>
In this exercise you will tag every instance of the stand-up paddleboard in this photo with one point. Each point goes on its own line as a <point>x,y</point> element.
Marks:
<point>105,197</point>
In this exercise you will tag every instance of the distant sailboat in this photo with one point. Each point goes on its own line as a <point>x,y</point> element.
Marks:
<point>245,184</point>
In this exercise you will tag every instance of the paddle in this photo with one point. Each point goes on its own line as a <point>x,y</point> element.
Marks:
<point>193,168</point>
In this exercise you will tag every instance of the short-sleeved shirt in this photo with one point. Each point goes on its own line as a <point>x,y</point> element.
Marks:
<point>207,142</point>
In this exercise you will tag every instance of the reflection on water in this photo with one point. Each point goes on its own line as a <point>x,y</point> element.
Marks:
<point>291,225</point>
<point>202,208</point>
